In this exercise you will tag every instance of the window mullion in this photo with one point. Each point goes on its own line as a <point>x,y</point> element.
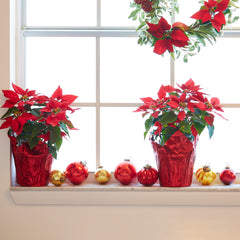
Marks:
<point>97,101</point>
<point>20,43</point>
<point>172,62</point>
<point>98,86</point>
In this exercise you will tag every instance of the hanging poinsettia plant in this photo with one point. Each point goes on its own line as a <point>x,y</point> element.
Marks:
<point>181,38</point>
<point>184,109</point>
<point>33,118</point>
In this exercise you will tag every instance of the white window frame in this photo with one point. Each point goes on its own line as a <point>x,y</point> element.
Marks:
<point>23,31</point>
<point>109,195</point>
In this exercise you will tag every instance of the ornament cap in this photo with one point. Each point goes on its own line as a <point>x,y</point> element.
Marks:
<point>147,166</point>
<point>84,163</point>
<point>206,169</point>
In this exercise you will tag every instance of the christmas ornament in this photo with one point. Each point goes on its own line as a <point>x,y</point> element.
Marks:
<point>147,6</point>
<point>227,176</point>
<point>102,176</point>
<point>57,178</point>
<point>147,176</point>
<point>125,172</point>
<point>205,175</point>
<point>77,172</point>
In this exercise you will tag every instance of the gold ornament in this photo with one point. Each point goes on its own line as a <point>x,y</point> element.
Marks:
<point>205,175</point>
<point>57,178</point>
<point>102,176</point>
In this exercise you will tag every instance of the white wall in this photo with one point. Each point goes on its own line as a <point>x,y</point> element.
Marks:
<point>87,223</point>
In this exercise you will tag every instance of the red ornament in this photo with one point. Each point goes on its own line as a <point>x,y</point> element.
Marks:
<point>77,172</point>
<point>147,176</point>
<point>125,172</point>
<point>227,176</point>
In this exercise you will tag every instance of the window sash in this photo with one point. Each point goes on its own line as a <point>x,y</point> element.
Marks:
<point>23,32</point>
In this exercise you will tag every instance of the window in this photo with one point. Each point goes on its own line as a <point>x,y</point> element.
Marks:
<point>90,49</point>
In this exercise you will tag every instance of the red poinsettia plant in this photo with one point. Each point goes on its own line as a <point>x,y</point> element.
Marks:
<point>184,109</point>
<point>33,118</point>
<point>154,28</point>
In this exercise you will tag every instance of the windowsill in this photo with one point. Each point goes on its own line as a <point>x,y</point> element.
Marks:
<point>115,194</point>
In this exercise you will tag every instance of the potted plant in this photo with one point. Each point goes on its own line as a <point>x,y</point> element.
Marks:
<point>36,125</point>
<point>174,122</point>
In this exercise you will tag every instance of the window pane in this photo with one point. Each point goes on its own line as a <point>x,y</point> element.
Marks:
<point>68,62</point>
<point>81,144</point>
<point>61,13</point>
<point>115,13</point>
<point>130,71</point>
<point>224,146</point>
<point>122,138</point>
<point>216,69</point>
<point>186,10</point>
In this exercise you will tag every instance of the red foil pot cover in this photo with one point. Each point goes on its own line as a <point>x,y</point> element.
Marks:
<point>32,166</point>
<point>175,160</point>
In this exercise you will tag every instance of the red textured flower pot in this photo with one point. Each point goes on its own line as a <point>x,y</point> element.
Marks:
<point>32,166</point>
<point>175,161</point>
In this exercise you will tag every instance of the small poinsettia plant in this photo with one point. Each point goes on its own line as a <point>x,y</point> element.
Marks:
<point>32,117</point>
<point>179,38</point>
<point>184,109</point>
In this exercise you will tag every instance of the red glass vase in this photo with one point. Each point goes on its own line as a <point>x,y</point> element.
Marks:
<point>175,160</point>
<point>33,166</point>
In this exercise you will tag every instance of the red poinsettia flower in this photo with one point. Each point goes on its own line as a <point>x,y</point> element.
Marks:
<point>65,99</point>
<point>213,11</point>
<point>167,37</point>
<point>190,86</point>
<point>149,103</point>
<point>181,102</point>
<point>209,119</point>
<point>17,122</point>
<point>159,128</point>
<point>54,112</point>
<point>18,96</point>
<point>216,104</point>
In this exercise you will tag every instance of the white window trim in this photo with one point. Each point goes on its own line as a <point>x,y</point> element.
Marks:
<point>133,195</point>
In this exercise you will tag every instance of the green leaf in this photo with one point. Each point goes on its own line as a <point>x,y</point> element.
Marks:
<point>58,143</point>
<point>63,126</point>
<point>145,134</point>
<point>53,151</point>
<point>167,133</point>
<point>35,112</point>
<point>33,142</point>
<point>37,129</point>
<point>184,126</point>
<point>9,112</point>
<point>55,136</point>
<point>148,124</point>
<point>168,117</point>
<point>210,130</point>
<point>199,125</point>
<point>185,58</point>
<point>133,13</point>
<point>200,39</point>
<point>143,24</point>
